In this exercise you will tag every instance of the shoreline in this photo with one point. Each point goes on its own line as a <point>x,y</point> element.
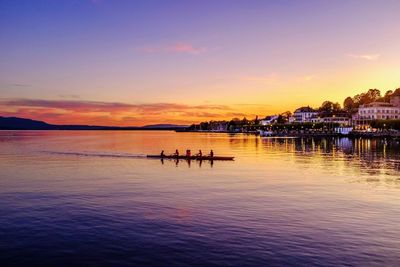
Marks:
<point>333,134</point>
<point>380,135</point>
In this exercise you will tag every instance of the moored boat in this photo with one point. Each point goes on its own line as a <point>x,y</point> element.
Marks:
<point>266,133</point>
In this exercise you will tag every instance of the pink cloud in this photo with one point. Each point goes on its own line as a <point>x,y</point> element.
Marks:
<point>179,48</point>
<point>185,48</point>
<point>83,106</point>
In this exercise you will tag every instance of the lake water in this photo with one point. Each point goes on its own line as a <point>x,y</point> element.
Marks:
<point>91,198</point>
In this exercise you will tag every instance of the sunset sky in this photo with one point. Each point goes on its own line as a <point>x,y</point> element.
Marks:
<point>118,62</point>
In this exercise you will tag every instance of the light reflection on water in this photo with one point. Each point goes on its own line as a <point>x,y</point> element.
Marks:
<point>74,198</point>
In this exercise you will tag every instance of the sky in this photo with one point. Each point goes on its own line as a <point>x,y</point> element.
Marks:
<point>132,63</point>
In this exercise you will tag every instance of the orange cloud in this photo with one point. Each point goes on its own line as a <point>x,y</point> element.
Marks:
<point>114,113</point>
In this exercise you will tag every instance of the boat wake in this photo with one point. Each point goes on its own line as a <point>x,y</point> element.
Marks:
<point>96,154</point>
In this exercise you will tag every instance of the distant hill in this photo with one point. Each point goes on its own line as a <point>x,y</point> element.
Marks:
<point>14,123</point>
<point>163,126</point>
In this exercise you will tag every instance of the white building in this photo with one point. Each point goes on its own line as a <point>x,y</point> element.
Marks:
<point>305,114</point>
<point>378,111</point>
<point>343,121</point>
<point>269,120</point>
<point>218,126</point>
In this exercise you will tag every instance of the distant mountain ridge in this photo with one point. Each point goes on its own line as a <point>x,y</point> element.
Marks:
<point>160,126</point>
<point>15,123</point>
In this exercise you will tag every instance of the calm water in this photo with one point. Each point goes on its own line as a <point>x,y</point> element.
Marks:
<point>82,198</point>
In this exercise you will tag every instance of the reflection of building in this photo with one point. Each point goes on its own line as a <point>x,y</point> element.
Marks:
<point>304,114</point>
<point>370,156</point>
<point>344,144</point>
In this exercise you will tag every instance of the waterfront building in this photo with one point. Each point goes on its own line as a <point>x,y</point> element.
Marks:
<point>305,114</point>
<point>269,120</point>
<point>377,111</point>
<point>292,119</point>
<point>343,121</point>
<point>317,119</point>
<point>218,126</point>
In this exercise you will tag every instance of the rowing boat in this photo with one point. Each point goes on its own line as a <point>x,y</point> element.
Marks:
<point>191,157</point>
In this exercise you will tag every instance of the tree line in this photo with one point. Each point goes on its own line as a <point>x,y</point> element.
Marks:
<point>351,104</point>
<point>327,109</point>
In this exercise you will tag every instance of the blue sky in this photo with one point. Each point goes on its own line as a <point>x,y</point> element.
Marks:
<point>257,57</point>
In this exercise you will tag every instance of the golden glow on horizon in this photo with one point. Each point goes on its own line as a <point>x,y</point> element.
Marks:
<point>287,96</point>
<point>269,94</point>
